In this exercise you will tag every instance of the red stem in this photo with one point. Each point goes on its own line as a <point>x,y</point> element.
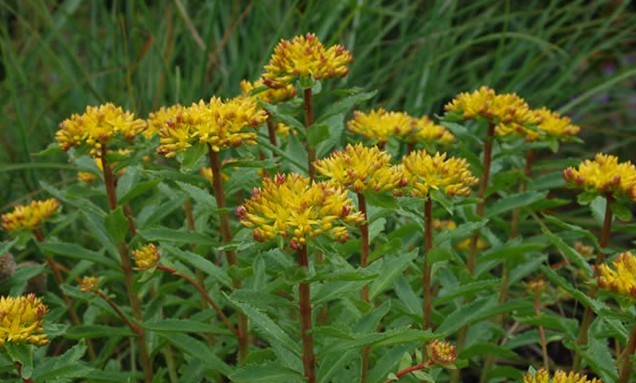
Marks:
<point>408,370</point>
<point>309,359</point>
<point>133,326</point>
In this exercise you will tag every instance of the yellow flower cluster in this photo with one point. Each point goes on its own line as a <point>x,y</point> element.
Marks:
<point>267,95</point>
<point>362,169</point>
<point>542,376</point>
<point>295,208</point>
<point>21,320</point>
<point>147,257</point>
<point>441,353</point>
<point>604,175</point>
<point>159,118</point>
<point>221,124</point>
<point>97,126</point>
<point>621,279</point>
<point>551,124</point>
<point>508,112</point>
<point>425,173</point>
<point>426,130</point>
<point>305,57</point>
<point>29,217</point>
<point>380,125</point>
<point>89,284</point>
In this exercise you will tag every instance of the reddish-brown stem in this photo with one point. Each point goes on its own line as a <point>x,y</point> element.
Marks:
<point>126,267</point>
<point>226,233</point>
<point>129,216</point>
<point>364,262</point>
<point>544,343</point>
<point>304,300</point>
<point>426,272</point>
<point>309,121</point>
<point>271,132</point>
<point>408,370</point>
<point>626,366</point>
<point>204,294</point>
<point>133,326</point>
<point>588,314</point>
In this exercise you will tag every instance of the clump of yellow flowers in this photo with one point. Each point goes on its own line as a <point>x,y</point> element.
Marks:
<point>551,124</point>
<point>543,376</point>
<point>508,112</point>
<point>379,125</point>
<point>426,173</point>
<point>89,284</point>
<point>21,320</point>
<point>362,169</point>
<point>267,95</point>
<point>441,353</point>
<point>219,124</point>
<point>97,127</point>
<point>147,257</point>
<point>622,278</point>
<point>31,216</point>
<point>297,209</point>
<point>159,118</point>
<point>305,57</point>
<point>604,175</point>
<point>427,131</point>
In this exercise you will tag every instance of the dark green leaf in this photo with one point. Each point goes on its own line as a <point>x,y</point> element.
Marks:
<point>191,157</point>
<point>138,190</point>
<point>570,253</point>
<point>317,133</point>
<point>199,195</point>
<point>197,349</point>
<point>266,373</point>
<point>165,234</point>
<point>97,331</point>
<point>117,225</point>
<point>514,201</point>
<point>73,251</point>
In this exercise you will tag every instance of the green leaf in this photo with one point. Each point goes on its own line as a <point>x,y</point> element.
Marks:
<point>511,249</point>
<point>266,373</point>
<point>466,314</point>
<point>586,197</point>
<point>190,158</point>
<point>68,365</point>
<point>126,182</point>
<point>7,245</point>
<point>464,290</point>
<point>21,353</point>
<point>198,350</point>
<point>344,105</point>
<point>73,251</point>
<point>97,331</point>
<point>514,201</point>
<point>116,224</point>
<point>21,277</point>
<point>369,322</point>
<point>440,198</point>
<point>391,268</point>
<point>138,190</point>
<point>621,211</point>
<point>183,325</point>
<point>200,263</point>
<point>570,253</point>
<point>332,364</point>
<point>165,234</point>
<point>317,133</point>
<point>199,195</point>
<point>578,294</point>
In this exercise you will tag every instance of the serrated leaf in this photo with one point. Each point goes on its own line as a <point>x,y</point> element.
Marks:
<point>514,201</point>
<point>392,267</point>
<point>586,197</point>
<point>68,365</point>
<point>97,331</point>
<point>117,225</point>
<point>199,195</point>
<point>73,251</point>
<point>126,182</point>
<point>317,133</point>
<point>7,245</point>
<point>466,289</point>
<point>21,277</point>
<point>183,325</point>
<point>570,253</point>
<point>165,234</point>
<point>200,263</point>
<point>138,190</point>
<point>21,353</point>
<point>190,158</point>
<point>198,350</point>
<point>466,314</point>
<point>369,322</point>
<point>344,105</point>
<point>333,363</point>
<point>621,211</point>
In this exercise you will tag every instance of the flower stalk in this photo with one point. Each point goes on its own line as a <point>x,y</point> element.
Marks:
<point>304,299</point>
<point>226,233</point>
<point>411,369</point>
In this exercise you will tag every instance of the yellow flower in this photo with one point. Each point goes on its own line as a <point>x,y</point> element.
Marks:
<point>427,131</point>
<point>542,376</point>
<point>97,126</point>
<point>221,124</point>
<point>29,217</point>
<point>508,112</point>
<point>361,169</point>
<point>89,284</point>
<point>305,57</point>
<point>379,125</point>
<point>147,257</point>
<point>621,279</point>
<point>551,124</point>
<point>605,175</point>
<point>296,209</point>
<point>425,173</point>
<point>159,118</point>
<point>267,95</point>
<point>441,353</point>
<point>21,320</point>
<point>535,286</point>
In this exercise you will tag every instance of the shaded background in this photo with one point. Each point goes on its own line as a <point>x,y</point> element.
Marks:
<point>59,56</point>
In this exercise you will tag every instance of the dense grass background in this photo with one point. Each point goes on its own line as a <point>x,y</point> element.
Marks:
<point>59,56</point>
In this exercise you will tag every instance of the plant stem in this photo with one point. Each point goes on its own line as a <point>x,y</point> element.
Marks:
<point>304,300</point>
<point>126,267</point>
<point>204,294</point>
<point>626,367</point>
<point>309,121</point>
<point>408,370</point>
<point>271,132</point>
<point>133,326</point>
<point>426,272</point>
<point>586,321</point>
<point>226,233</point>
<point>364,258</point>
